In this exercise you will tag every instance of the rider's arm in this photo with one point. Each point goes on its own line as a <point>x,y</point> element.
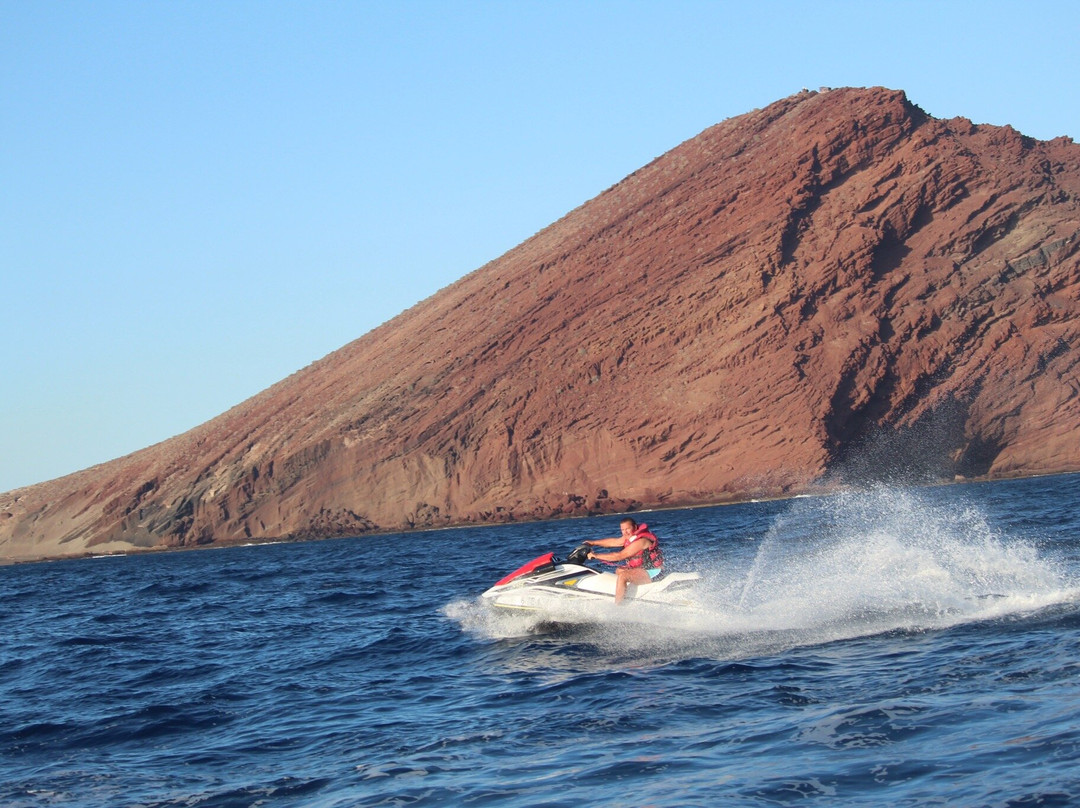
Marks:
<point>632,549</point>
<point>616,542</point>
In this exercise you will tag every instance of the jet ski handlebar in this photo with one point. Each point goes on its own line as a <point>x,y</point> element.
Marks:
<point>579,555</point>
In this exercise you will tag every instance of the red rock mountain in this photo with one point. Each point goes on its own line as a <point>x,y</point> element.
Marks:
<point>834,278</point>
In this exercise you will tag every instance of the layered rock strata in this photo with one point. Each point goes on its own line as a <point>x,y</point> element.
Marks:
<point>827,288</point>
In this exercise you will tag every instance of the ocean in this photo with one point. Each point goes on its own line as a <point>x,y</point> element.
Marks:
<point>895,646</point>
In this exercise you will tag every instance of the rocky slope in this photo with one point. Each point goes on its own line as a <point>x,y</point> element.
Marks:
<point>837,284</point>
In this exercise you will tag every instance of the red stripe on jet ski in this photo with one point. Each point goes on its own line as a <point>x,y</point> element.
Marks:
<point>547,558</point>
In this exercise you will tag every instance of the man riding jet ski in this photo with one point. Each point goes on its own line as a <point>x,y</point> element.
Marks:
<point>546,583</point>
<point>641,551</point>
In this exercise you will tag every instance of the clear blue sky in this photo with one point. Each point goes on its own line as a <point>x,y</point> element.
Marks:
<point>199,198</point>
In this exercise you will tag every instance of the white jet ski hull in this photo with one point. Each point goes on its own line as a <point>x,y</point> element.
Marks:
<point>545,585</point>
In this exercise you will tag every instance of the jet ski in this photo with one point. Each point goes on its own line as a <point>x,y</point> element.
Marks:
<point>547,584</point>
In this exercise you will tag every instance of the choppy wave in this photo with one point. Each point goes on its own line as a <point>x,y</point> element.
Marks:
<point>900,647</point>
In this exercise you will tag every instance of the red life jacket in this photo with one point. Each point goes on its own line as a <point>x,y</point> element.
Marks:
<point>652,557</point>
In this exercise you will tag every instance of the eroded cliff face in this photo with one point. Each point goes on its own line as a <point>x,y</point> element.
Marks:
<point>833,285</point>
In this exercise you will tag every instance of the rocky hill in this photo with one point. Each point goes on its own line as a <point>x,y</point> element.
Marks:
<point>835,285</point>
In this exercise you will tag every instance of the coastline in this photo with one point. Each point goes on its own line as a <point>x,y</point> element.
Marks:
<point>116,549</point>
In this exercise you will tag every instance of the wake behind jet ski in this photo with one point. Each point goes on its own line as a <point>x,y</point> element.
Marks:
<point>546,583</point>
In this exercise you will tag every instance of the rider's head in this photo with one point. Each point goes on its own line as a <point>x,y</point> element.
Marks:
<point>628,523</point>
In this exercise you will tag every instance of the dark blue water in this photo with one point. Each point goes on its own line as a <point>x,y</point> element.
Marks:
<point>887,648</point>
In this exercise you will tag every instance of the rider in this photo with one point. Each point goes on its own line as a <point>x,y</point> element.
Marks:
<point>640,550</point>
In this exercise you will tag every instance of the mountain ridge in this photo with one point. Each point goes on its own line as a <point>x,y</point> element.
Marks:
<point>833,277</point>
